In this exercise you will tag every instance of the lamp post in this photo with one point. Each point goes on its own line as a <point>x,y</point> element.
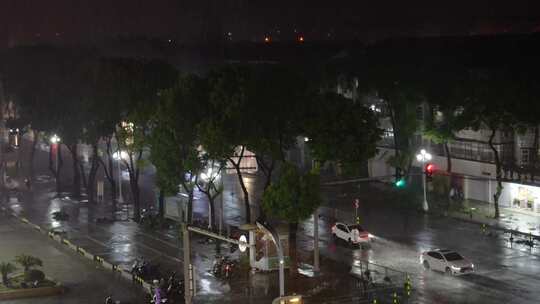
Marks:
<point>423,157</point>
<point>119,156</point>
<point>55,140</point>
<point>279,248</point>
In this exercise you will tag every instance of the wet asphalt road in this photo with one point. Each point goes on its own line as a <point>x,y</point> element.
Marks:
<point>503,274</point>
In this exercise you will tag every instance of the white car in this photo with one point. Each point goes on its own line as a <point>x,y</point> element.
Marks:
<point>352,234</point>
<point>447,261</point>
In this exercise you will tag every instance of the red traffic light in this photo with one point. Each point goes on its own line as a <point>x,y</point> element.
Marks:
<point>430,168</point>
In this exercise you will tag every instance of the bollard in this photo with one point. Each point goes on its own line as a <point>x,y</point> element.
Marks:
<point>394,298</point>
<point>408,286</point>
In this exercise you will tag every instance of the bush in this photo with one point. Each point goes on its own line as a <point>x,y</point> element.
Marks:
<point>28,261</point>
<point>34,275</point>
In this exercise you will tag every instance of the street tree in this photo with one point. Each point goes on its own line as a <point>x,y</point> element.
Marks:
<point>223,129</point>
<point>341,131</point>
<point>209,183</point>
<point>293,198</point>
<point>446,90</point>
<point>28,261</point>
<point>489,108</point>
<point>384,76</point>
<point>35,79</point>
<point>174,138</point>
<point>278,99</point>
<point>142,81</point>
<point>6,269</point>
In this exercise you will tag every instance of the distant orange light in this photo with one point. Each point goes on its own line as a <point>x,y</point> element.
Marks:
<point>301,38</point>
<point>266,39</point>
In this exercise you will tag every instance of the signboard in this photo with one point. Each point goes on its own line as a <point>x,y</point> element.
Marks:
<point>242,245</point>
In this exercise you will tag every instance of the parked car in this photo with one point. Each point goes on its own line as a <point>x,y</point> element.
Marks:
<point>352,234</point>
<point>447,261</point>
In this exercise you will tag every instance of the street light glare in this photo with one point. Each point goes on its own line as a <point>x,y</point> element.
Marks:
<point>120,155</point>
<point>55,139</point>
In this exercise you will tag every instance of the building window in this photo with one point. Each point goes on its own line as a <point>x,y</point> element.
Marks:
<point>525,160</point>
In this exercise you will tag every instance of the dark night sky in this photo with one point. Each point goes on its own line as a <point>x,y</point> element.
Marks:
<point>189,20</point>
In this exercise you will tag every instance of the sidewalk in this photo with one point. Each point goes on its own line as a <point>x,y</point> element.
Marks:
<point>482,213</point>
<point>85,283</point>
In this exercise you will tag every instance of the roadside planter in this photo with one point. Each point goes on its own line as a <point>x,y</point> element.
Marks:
<point>47,287</point>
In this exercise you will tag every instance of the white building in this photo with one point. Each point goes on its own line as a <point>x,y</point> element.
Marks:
<point>472,159</point>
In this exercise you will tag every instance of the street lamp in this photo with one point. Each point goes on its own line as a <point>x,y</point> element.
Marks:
<point>423,157</point>
<point>119,156</point>
<point>55,140</point>
<point>274,236</point>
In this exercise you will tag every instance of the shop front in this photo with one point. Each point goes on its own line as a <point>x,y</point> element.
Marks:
<point>524,197</point>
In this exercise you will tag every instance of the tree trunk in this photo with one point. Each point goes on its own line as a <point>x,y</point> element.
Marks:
<point>76,172</point>
<point>134,185</point>
<point>212,205</point>
<point>84,180</point>
<point>135,191</point>
<point>190,207</point>
<point>245,192</point>
<point>242,184</point>
<point>161,203</point>
<point>55,164</point>
<point>293,253</point>
<point>33,154</point>
<point>498,173</point>
<point>534,154</point>
<point>109,174</point>
<point>448,158</point>
<point>91,184</point>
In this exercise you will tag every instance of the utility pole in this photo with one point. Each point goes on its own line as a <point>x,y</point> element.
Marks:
<point>316,266</point>
<point>188,283</point>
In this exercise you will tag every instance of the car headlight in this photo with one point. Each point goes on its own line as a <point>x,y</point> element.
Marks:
<point>455,268</point>
<point>472,265</point>
<point>370,235</point>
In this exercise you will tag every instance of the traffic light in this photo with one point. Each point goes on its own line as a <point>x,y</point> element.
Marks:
<point>400,181</point>
<point>430,168</point>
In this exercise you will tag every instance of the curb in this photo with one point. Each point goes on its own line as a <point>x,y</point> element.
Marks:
<point>492,226</point>
<point>83,252</point>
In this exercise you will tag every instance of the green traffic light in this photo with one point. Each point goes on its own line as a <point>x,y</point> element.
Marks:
<point>400,183</point>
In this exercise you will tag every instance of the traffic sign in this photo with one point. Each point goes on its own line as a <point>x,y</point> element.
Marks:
<point>242,243</point>
<point>356,203</point>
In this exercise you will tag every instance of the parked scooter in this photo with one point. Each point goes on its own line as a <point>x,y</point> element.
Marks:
<point>223,267</point>
<point>175,287</point>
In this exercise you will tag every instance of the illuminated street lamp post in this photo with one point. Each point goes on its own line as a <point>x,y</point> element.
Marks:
<point>119,156</point>
<point>423,157</point>
<point>55,140</point>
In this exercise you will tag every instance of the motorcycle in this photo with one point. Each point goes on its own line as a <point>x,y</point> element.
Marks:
<point>223,267</point>
<point>60,215</point>
<point>158,298</point>
<point>175,288</point>
<point>228,270</point>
